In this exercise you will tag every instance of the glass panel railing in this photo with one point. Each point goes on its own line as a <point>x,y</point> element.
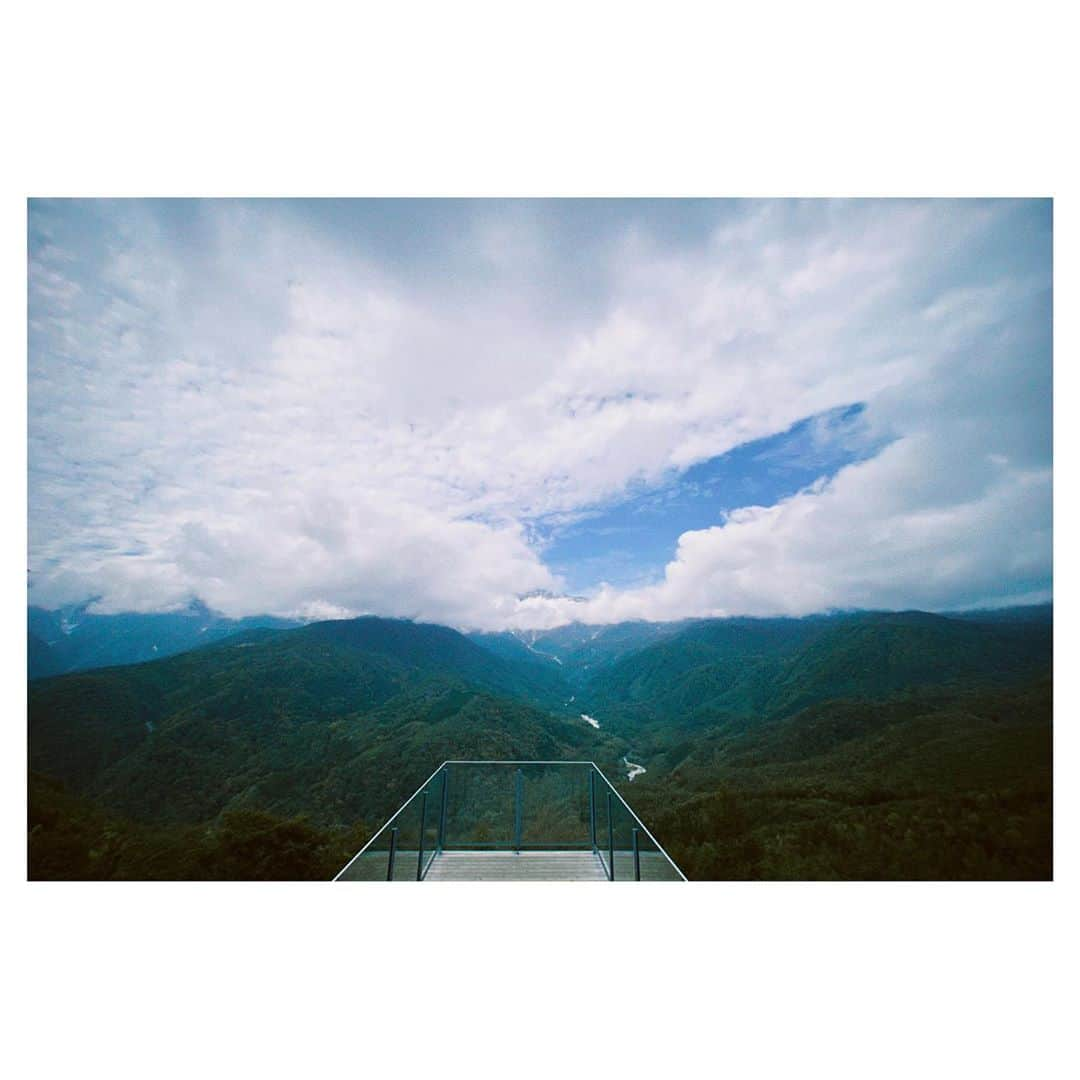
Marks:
<point>479,807</point>
<point>432,816</point>
<point>512,806</point>
<point>652,862</point>
<point>517,806</point>
<point>623,826</point>
<point>627,849</point>
<point>603,807</point>
<point>555,808</point>
<point>373,860</point>
<point>403,849</point>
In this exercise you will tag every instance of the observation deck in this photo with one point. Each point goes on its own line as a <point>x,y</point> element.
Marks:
<point>513,821</point>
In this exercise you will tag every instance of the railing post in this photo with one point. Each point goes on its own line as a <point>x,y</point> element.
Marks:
<point>393,852</point>
<point>519,778</point>
<point>637,857</point>
<point>592,807</point>
<point>420,845</point>
<point>442,811</point>
<point>610,839</point>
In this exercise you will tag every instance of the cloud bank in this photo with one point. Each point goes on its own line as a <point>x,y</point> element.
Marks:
<point>332,408</point>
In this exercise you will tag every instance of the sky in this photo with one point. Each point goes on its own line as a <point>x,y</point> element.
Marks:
<point>511,414</point>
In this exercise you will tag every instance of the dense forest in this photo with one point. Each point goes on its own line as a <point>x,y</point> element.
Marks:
<point>862,746</point>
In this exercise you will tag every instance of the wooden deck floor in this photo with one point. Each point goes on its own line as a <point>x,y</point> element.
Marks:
<point>515,866</point>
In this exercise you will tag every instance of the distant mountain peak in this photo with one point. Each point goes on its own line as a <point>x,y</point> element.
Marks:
<point>547,594</point>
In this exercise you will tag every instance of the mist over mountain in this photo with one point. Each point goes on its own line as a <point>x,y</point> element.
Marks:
<point>77,639</point>
<point>579,650</point>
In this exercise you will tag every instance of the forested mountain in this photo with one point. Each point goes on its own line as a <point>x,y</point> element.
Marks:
<point>740,671</point>
<point>424,649</point>
<point>864,745</point>
<point>944,784</point>
<point>75,639</point>
<point>579,651</point>
<point>335,721</point>
<point>267,703</point>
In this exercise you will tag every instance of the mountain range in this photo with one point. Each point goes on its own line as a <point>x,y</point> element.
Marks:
<point>855,745</point>
<point>75,638</point>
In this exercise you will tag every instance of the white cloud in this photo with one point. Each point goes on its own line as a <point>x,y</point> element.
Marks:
<point>246,408</point>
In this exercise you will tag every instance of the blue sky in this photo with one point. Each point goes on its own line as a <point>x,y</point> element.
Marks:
<point>629,541</point>
<point>512,413</point>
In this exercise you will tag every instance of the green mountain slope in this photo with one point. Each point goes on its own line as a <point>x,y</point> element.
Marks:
<point>739,671</point>
<point>578,651</point>
<point>941,784</point>
<point>425,649</point>
<point>338,720</point>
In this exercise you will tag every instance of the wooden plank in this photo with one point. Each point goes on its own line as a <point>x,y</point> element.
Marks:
<point>515,866</point>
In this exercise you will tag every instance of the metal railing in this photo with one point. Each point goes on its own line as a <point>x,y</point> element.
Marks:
<point>518,806</point>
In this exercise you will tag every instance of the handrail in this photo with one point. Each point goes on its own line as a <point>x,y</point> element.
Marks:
<point>510,761</point>
<point>659,846</point>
